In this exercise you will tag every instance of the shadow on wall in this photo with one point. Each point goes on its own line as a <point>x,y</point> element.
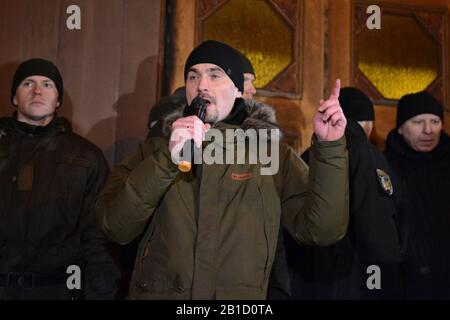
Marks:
<point>66,110</point>
<point>7,71</point>
<point>6,108</point>
<point>129,126</point>
<point>126,130</point>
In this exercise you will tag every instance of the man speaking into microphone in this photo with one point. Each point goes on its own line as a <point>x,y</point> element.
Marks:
<point>211,233</point>
<point>197,108</point>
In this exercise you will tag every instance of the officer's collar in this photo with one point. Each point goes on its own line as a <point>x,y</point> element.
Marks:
<point>16,127</point>
<point>397,144</point>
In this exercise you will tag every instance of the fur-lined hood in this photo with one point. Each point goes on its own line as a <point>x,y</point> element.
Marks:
<point>259,116</point>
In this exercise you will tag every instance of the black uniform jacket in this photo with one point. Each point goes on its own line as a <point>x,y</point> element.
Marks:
<point>49,177</point>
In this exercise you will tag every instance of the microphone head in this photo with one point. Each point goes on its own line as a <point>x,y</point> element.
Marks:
<point>197,107</point>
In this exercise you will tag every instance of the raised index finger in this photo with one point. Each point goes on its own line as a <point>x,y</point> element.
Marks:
<point>336,89</point>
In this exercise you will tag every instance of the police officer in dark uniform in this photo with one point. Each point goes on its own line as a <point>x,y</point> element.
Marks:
<point>50,245</point>
<point>365,263</point>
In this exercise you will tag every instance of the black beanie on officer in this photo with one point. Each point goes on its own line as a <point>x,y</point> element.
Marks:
<point>247,66</point>
<point>356,105</point>
<point>220,54</point>
<point>413,104</point>
<point>37,67</point>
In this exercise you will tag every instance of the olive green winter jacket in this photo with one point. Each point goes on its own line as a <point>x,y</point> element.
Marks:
<point>212,234</point>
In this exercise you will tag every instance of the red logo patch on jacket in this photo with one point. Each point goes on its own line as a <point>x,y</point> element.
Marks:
<point>241,176</point>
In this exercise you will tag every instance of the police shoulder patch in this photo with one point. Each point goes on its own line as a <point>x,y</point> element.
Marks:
<point>385,182</point>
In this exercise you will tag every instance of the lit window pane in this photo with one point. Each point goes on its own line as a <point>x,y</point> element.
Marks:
<point>258,31</point>
<point>400,58</point>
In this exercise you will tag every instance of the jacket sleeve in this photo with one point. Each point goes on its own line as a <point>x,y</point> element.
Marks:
<point>315,202</point>
<point>100,273</point>
<point>133,190</point>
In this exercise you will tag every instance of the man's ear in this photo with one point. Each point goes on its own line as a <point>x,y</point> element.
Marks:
<point>238,93</point>
<point>58,103</point>
<point>15,101</point>
<point>400,131</point>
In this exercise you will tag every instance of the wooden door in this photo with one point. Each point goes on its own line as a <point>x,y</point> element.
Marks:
<point>323,44</point>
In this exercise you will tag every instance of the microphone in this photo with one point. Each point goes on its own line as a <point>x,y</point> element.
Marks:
<point>198,107</point>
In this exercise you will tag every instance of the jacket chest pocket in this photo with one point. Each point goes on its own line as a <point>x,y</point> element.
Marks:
<point>71,167</point>
<point>71,178</point>
<point>4,157</point>
<point>73,161</point>
<point>239,185</point>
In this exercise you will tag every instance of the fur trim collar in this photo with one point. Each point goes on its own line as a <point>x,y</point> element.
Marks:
<point>259,116</point>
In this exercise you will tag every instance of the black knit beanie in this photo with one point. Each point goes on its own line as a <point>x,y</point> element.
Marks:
<point>411,105</point>
<point>221,55</point>
<point>37,67</point>
<point>356,105</point>
<point>246,65</point>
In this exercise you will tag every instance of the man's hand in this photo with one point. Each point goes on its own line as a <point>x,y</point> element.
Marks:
<point>185,129</point>
<point>329,121</point>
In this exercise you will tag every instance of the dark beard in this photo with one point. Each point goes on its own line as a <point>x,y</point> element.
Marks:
<point>38,118</point>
